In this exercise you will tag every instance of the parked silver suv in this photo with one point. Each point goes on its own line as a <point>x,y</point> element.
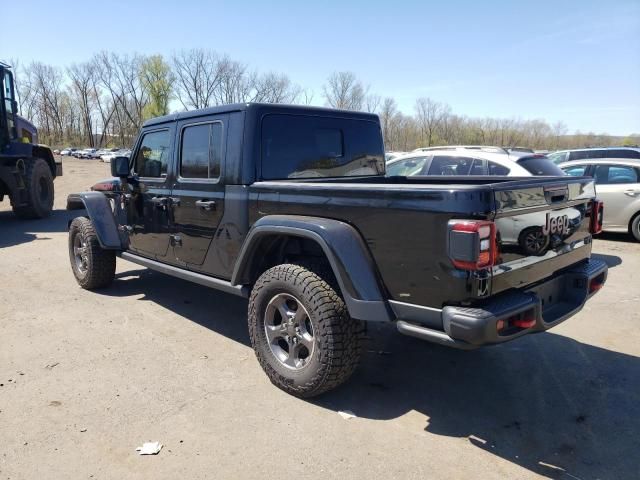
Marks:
<point>562,156</point>
<point>618,186</point>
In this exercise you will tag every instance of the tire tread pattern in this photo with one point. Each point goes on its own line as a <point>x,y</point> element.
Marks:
<point>33,209</point>
<point>340,336</point>
<point>101,263</point>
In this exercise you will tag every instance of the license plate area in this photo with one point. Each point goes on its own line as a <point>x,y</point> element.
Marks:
<point>556,300</point>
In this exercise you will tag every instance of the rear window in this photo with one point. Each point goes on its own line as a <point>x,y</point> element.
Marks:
<point>302,146</point>
<point>540,166</point>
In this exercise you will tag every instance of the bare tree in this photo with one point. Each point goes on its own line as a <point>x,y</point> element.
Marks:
<point>198,75</point>
<point>81,76</point>
<point>387,112</point>
<point>428,115</point>
<point>343,90</point>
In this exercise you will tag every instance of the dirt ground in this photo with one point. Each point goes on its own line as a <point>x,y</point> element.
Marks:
<point>86,377</point>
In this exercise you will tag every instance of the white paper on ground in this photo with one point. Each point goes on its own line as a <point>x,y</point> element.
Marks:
<point>149,448</point>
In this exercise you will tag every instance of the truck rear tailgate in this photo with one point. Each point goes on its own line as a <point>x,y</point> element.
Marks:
<point>542,227</point>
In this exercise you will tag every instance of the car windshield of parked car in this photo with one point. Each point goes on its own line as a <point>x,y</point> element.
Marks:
<point>304,146</point>
<point>406,167</point>
<point>540,166</point>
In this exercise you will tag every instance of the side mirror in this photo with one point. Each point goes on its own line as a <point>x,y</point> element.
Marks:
<point>120,167</point>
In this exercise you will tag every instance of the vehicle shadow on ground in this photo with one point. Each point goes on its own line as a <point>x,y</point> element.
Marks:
<point>553,405</point>
<point>15,231</point>
<point>220,312</point>
<point>616,237</point>
<point>546,402</point>
<point>611,260</point>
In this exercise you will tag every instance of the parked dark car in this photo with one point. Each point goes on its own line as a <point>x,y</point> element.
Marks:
<point>290,207</point>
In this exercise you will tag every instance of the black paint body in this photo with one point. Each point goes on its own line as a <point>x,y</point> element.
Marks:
<point>385,237</point>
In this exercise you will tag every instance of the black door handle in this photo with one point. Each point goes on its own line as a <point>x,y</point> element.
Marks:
<point>206,204</point>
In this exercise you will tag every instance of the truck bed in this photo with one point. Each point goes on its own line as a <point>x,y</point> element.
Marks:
<point>404,221</point>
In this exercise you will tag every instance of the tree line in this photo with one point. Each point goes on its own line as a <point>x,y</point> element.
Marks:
<point>104,101</point>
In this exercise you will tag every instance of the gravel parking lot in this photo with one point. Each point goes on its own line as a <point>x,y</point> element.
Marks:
<point>86,377</point>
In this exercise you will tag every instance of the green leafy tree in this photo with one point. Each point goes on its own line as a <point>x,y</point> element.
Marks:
<point>157,79</point>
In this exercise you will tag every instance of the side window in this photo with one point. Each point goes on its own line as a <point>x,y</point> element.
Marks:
<point>612,174</point>
<point>153,155</point>
<point>446,165</point>
<point>579,155</point>
<point>201,151</point>
<point>497,169</point>
<point>407,167</point>
<point>577,171</point>
<point>478,167</point>
<point>625,153</point>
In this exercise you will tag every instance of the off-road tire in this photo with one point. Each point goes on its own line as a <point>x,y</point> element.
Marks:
<point>634,227</point>
<point>337,337</point>
<point>38,181</point>
<point>100,263</point>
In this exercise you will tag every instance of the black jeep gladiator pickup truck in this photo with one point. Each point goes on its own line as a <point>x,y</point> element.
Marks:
<point>290,207</point>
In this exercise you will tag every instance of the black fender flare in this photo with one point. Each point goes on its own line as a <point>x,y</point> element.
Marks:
<point>343,246</point>
<point>100,212</point>
<point>45,153</point>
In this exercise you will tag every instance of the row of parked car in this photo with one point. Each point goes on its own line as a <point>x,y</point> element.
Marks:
<point>105,154</point>
<point>616,172</point>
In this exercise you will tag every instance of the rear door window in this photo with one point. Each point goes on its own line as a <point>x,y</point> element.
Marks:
<point>497,169</point>
<point>613,174</point>
<point>304,146</point>
<point>478,167</point>
<point>450,165</point>
<point>201,151</point>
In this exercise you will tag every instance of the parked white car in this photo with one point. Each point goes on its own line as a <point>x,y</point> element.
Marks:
<point>113,154</point>
<point>618,186</point>
<point>531,233</point>
<point>456,162</point>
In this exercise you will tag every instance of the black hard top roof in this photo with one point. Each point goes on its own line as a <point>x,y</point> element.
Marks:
<point>260,109</point>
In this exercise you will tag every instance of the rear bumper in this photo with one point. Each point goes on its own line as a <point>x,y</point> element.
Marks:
<point>506,316</point>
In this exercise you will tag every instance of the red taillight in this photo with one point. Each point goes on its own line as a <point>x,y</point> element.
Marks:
<point>472,244</point>
<point>596,216</point>
<point>596,283</point>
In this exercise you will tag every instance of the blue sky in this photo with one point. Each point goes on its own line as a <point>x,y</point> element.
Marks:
<point>575,61</point>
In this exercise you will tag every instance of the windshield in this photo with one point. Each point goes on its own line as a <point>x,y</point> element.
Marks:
<point>540,166</point>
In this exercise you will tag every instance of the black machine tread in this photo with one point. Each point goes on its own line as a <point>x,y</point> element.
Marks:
<point>34,208</point>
